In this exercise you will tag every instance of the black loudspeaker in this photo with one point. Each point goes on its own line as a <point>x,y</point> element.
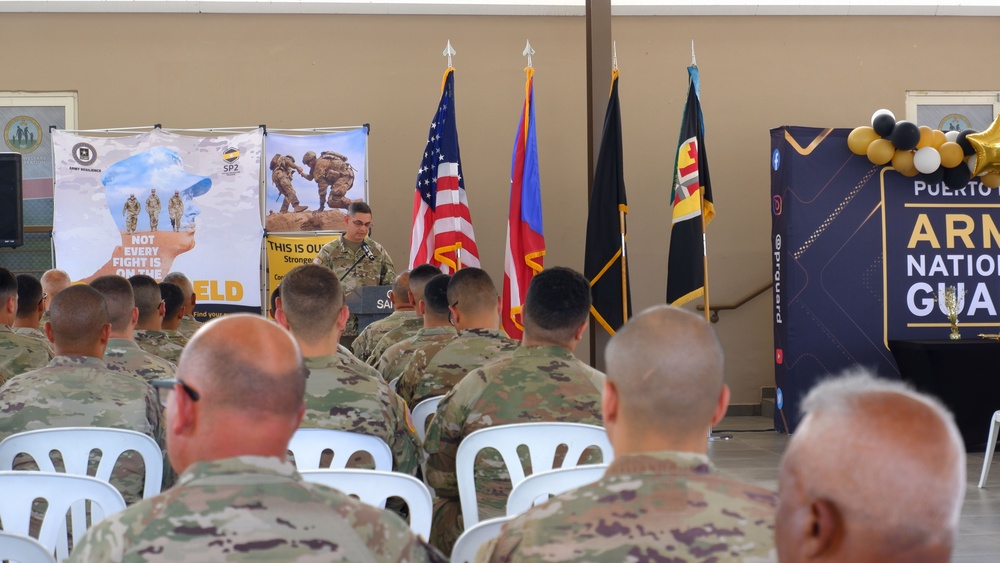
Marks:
<point>11,201</point>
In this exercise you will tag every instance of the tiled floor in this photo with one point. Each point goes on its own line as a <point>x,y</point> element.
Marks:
<point>754,453</point>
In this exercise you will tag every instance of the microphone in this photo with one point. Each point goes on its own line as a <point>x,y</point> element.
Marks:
<point>368,252</point>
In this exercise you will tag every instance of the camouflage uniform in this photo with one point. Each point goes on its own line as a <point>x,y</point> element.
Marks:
<point>157,342</point>
<point>124,356</point>
<point>338,257</point>
<point>153,208</point>
<point>330,170</point>
<point>175,207</point>
<point>35,333</point>
<point>657,506</point>
<point>392,363</point>
<point>176,337</point>
<point>345,353</point>
<point>534,384</point>
<point>282,168</point>
<point>81,391</point>
<point>437,367</point>
<point>251,508</point>
<point>132,209</point>
<point>405,330</point>
<point>365,343</point>
<point>188,326</point>
<point>338,397</point>
<point>20,353</point>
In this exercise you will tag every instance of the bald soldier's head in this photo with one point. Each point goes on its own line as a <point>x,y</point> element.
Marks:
<point>54,281</point>
<point>875,472</point>
<point>473,300</point>
<point>122,312</point>
<point>78,322</point>
<point>242,393</point>
<point>400,293</point>
<point>664,387</point>
<point>311,305</point>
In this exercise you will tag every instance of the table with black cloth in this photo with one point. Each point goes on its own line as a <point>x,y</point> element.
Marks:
<point>963,374</point>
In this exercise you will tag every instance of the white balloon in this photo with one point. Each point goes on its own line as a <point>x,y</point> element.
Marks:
<point>972,163</point>
<point>926,160</point>
<point>880,112</point>
<point>952,136</point>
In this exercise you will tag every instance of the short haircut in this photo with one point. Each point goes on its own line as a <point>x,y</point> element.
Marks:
<point>558,302</point>
<point>311,299</point>
<point>667,365</point>
<point>419,277</point>
<point>8,284</point>
<point>77,316</point>
<point>358,207</point>
<point>907,481</point>
<point>248,370</point>
<point>181,281</point>
<point>471,290</point>
<point>173,299</point>
<point>147,296</point>
<point>120,298</point>
<point>29,295</point>
<point>54,281</point>
<point>436,296</point>
<point>401,287</point>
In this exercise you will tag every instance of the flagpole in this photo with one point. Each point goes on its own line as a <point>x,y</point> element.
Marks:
<point>621,225</point>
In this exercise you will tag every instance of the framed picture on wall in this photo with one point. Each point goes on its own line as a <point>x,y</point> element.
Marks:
<point>952,111</point>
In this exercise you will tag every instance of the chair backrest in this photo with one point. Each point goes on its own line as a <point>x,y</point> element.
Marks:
<point>394,382</point>
<point>473,538</point>
<point>308,445</point>
<point>536,488</point>
<point>542,440</point>
<point>75,445</point>
<point>62,492</point>
<point>375,487</point>
<point>23,549</point>
<point>421,412</point>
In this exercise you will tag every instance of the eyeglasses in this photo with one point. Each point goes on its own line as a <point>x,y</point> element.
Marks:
<point>165,386</point>
<point>44,297</point>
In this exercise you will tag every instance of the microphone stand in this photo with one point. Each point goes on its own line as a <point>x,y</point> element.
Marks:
<point>351,269</point>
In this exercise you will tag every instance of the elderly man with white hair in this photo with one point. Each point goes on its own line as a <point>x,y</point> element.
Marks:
<point>875,472</point>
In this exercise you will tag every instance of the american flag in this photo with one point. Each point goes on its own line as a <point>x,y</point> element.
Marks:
<point>442,226</point>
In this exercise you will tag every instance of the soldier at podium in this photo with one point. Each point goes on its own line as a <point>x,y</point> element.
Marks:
<point>356,259</point>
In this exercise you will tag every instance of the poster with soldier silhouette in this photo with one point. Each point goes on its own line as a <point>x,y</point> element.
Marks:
<point>312,177</point>
<point>158,202</point>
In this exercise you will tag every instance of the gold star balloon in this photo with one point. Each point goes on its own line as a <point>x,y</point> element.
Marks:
<point>987,145</point>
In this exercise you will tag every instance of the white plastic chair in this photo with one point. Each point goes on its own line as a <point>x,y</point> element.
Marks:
<point>375,487</point>
<point>537,487</point>
<point>394,382</point>
<point>991,445</point>
<point>23,549</point>
<point>308,445</point>
<point>542,440</point>
<point>421,412</point>
<point>468,544</point>
<point>75,445</point>
<point>63,493</point>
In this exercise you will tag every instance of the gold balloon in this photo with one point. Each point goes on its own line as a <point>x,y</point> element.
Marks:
<point>880,151</point>
<point>908,173</point>
<point>860,138</point>
<point>987,145</point>
<point>926,137</point>
<point>938,138</point>
<point>991,180</point>
<point>902,161</point>
<point>951,154</point>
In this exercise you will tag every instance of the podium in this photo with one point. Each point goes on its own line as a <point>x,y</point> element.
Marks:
<point>370,303</point>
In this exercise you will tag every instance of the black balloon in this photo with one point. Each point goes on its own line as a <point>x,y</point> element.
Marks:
<point>937,176</point>
<point>956,178</point>
<point>883,125</point>
<point>967,147</point>
<point>905,135</point>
